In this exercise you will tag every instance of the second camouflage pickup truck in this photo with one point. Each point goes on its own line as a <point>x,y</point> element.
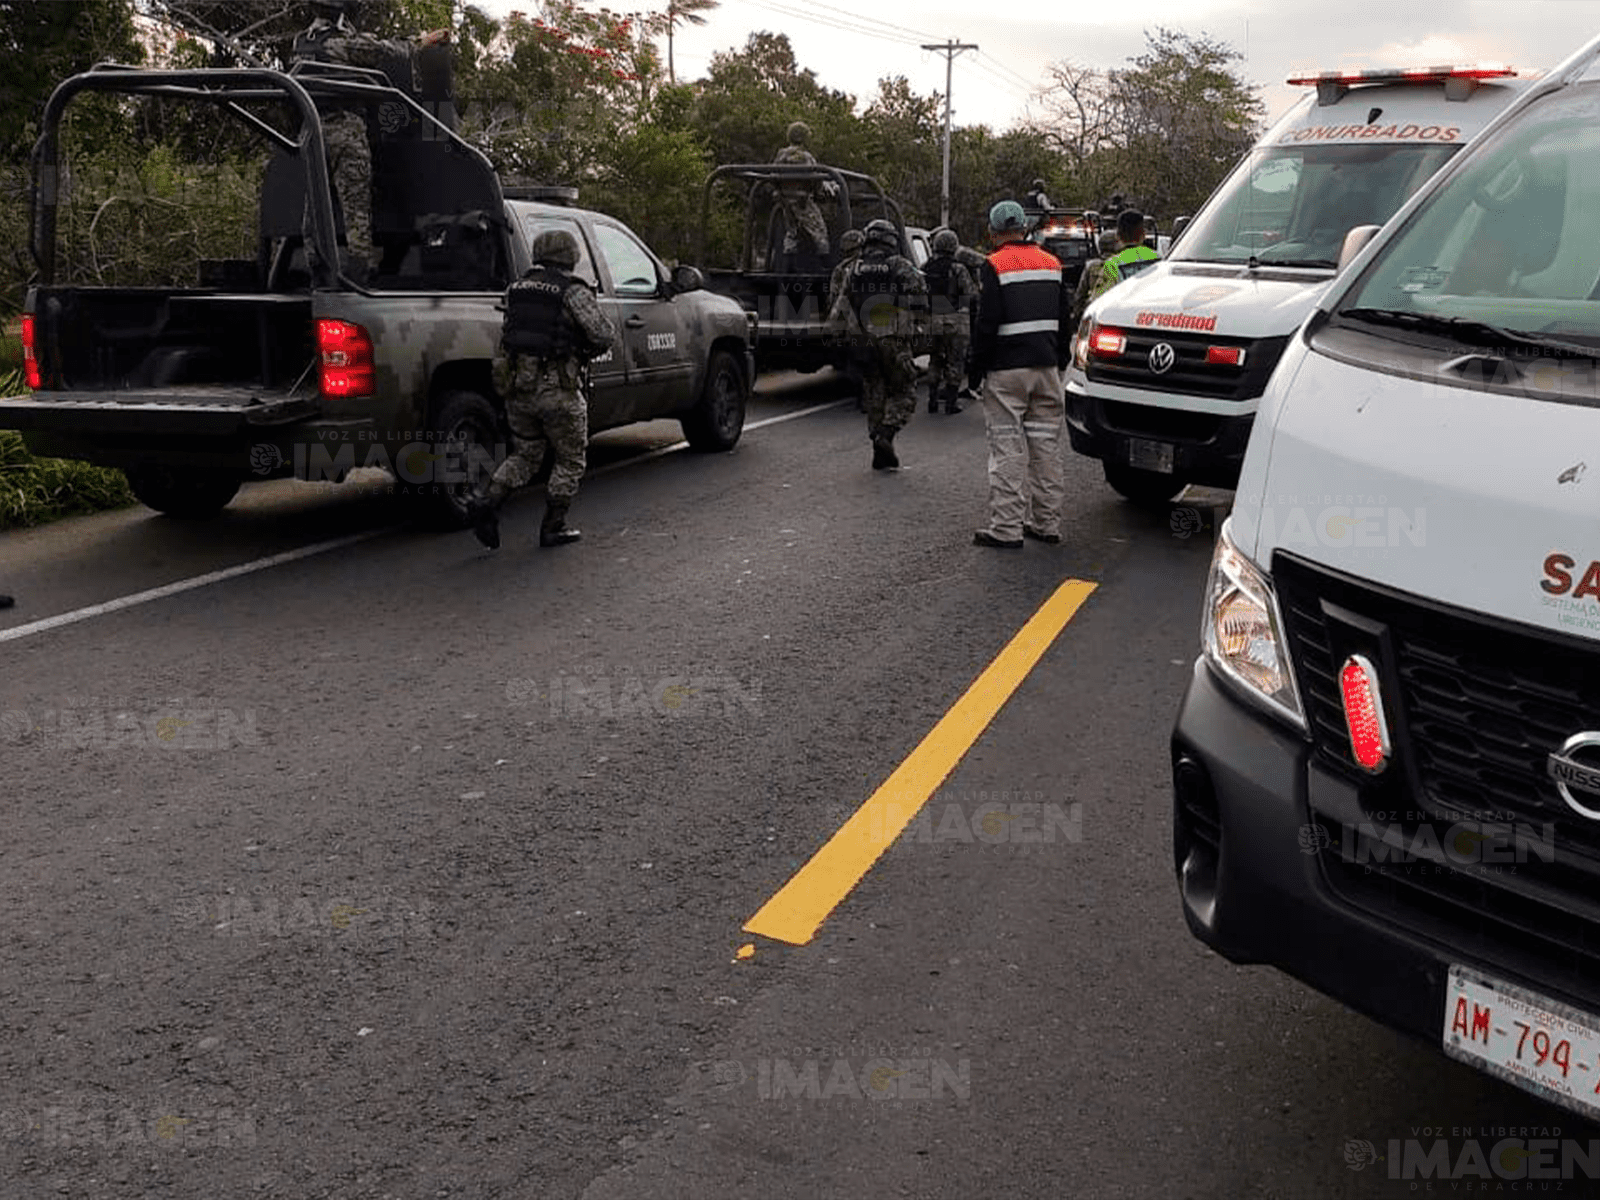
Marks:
<point>268,369</point>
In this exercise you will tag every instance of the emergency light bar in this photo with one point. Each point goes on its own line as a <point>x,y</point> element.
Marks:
<point>1459,82</point>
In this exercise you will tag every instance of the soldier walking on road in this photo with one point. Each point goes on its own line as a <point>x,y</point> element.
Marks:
<point>797,196</point>
<point>331,37</point>
<point>1107,246</point>
<point>553,327</point>
<point>951,290</point>
<point>878,307</point>
<point>850,242</point>
<point>1019,348</point>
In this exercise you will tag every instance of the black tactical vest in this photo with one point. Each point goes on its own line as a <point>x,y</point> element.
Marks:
<point>940,274</point>
<point>537,322</point>
<point>870,277</point>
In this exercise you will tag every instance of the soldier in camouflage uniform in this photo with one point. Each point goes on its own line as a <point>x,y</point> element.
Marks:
<point>878,305</point>
<point>850,242</point>
<point>797,197</point>
<point>952,290</point>
<point>553,327</point>
<point>331,37</point>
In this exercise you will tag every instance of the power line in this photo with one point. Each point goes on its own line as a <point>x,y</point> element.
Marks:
<point>831,23</point>
<point>1000,66</point>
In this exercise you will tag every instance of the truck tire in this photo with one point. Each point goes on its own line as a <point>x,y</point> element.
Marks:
<point>465,417</point>
<point>717,420</point>
<point>1149,489</point>
<point>184,494</point>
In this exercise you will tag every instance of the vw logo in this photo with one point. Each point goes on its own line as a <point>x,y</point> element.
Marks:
<point>1572,775</point>
<point>1162,356</point>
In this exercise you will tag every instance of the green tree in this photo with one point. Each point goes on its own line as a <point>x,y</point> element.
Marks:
<point>1183,118</point>
<point>684,12</point>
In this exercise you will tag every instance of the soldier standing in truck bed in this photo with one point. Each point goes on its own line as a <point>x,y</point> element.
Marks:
<point>797,196</point>
<point>332,37</point>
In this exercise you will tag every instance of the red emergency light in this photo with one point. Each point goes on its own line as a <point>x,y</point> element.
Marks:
<point>30,364</point>
<point>1405,75</point>
<point>1363,714</point>
<point>1225,356</point>
<point>1105,342</point>
<point>345,351</point>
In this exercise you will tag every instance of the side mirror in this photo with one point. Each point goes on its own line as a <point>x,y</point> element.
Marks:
<point>1355,242</point>
<point>1178,226</point>
<point>687,279</point>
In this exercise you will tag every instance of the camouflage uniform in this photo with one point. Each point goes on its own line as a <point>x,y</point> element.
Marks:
<point>849,250</point>
<point>799,207</point>
<point>344,133</point>
<point>881,325</point>
<point>951,323</point>
<point>545,405</point>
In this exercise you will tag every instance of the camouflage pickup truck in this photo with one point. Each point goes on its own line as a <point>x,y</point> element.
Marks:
<point>270,368</point>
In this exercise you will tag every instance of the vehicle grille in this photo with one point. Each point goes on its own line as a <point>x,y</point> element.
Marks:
<point>1474,708</point>
<point>1190,373</point>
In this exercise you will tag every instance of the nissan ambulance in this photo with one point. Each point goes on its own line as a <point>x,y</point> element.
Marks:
<point>1387,762</point>
<point>1170,364</point>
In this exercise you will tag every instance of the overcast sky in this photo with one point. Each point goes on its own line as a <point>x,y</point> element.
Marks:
<point>851,45</point>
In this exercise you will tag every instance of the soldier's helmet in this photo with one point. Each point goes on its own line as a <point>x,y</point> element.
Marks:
<point>1108,242</point>
<point>946,242</point>
<point>882,232</point>
<point>799,133</point>
<point>557,247</point>
<point>1038,185</point>
<point>851,239</point>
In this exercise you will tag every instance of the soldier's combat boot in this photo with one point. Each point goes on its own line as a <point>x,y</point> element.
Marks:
<point>952,401</point>
<point>553,531</point>
<point>484,516</point>
<point>933,397</point>
<point>883,455</point>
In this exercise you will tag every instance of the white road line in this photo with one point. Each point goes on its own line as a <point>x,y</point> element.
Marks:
<point>46,624</point>
<point>677,446</point>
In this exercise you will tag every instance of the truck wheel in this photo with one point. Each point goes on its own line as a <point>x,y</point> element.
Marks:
<point>187,495</point>
<point>465,420</point>
<point>717,420</point>
<point>1150,489</point>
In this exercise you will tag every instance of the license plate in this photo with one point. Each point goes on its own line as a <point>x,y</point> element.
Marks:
<point>1539,1044</point>
<point>1150,456</point>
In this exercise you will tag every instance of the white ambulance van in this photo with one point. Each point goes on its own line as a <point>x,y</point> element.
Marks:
<point>1387,763</point>
<point>1170,364</point>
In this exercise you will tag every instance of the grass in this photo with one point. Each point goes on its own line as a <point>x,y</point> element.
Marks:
<point>36,490</point>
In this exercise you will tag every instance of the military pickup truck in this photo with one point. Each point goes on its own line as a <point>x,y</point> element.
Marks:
<point>270,368</point>
<point>787,293</point>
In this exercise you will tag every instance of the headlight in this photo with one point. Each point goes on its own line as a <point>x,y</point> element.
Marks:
<point>1243,632</point>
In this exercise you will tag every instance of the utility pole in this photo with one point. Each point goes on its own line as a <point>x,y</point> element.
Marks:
<point>950,48</point>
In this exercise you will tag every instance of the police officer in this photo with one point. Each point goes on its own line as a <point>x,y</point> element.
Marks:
<point>553,326</point>
<point>951,291</point>
<point>1037,197</point>
<point>878,307</point>
<point>796,196</point>
<point>1019,348</point>
<point>332,37</point>
<point>1132,254</point>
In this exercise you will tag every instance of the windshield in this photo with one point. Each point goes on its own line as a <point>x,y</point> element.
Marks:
<point>1510,245</point>
<point>1292,205</point>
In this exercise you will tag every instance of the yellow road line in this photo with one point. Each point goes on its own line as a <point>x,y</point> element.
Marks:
<point>798,909</point>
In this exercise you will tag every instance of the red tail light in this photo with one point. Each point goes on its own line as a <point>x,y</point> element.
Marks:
<point>1363,714</point>
<point>346,359</point>
<point>30,364</point>
<point>1225,356</point>
<point>1105,342</point>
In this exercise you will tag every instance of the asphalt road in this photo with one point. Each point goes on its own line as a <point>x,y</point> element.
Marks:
<point>406,870</point>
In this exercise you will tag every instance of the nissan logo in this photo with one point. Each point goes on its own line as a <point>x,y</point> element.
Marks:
<point>1570,774</point>
<point>1162,356</point>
